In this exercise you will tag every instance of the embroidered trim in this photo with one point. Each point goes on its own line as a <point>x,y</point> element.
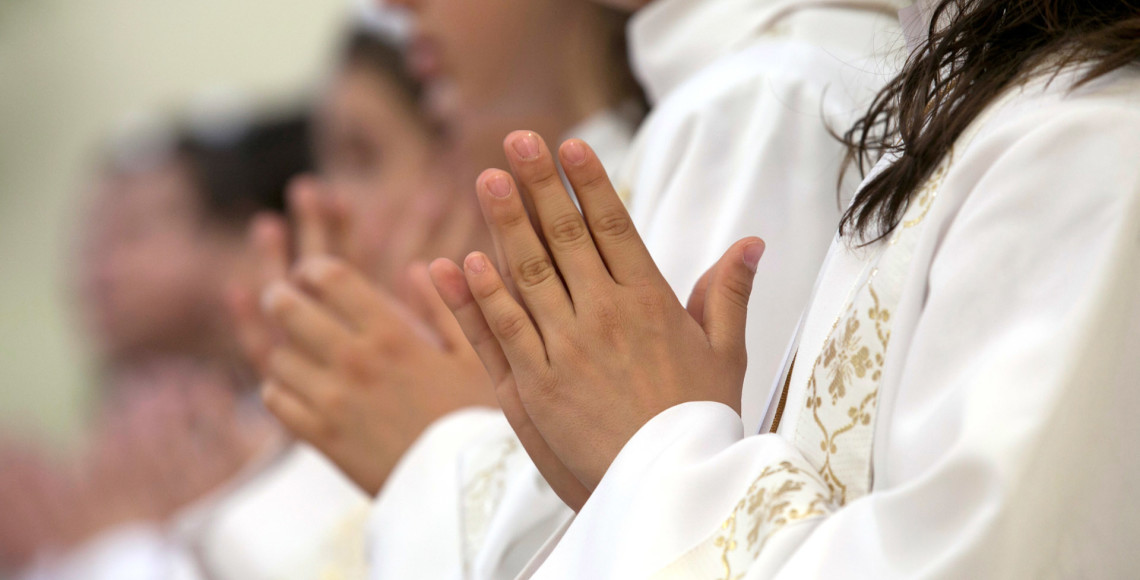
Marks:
<point>781,495</point>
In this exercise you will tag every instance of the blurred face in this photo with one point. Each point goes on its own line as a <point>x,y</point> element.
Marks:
<point>479,56</point>
<point>148,270</point>
<point>374,152</point>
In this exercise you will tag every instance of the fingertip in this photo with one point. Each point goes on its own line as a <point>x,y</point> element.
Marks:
<point>574,152</point>
<point>265,228</point>
<point>440,268</point>
<point>523,145</point>
<point>475,263</point>
<point>448,280</point>
<point>752,251</point>
<point>495,182</point>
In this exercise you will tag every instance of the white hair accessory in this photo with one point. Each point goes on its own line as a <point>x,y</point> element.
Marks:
<point>389,23</point>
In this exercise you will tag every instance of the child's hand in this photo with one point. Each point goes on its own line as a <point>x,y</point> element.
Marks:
<point>319,228</point>
<point>601,344</point>
<point>358,376</point>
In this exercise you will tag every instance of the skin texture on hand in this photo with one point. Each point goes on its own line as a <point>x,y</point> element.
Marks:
<point>347,366</point>
<point>599,343</point>
<point>357,378</point>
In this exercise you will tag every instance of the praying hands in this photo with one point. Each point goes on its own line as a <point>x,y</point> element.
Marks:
<point>582,336</point>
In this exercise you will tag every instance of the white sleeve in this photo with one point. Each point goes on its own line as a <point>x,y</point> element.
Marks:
<point>1008,449</point>
<point>744,150</point>
<point>135,552</point>
<point>414,527</point>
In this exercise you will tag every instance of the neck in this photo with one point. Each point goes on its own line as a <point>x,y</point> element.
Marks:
<point>592,79</point>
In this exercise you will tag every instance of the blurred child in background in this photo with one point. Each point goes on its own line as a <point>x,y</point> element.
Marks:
<point>163,243</point>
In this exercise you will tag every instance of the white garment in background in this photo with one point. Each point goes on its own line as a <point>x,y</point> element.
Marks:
<point>965,394</point>
<point>129,552</point>
<point>423,524</point>
<point>298,518</point>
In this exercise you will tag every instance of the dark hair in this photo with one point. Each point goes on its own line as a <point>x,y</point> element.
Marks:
<point>371,50</point>
<point>246,173</point>
<point>976,50</point>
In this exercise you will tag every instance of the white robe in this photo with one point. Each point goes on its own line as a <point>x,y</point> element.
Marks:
<point>298,518</point>
<point>423,523</point>
<point>739,95</point>
<point>971,410</point>
<point>291,515</point>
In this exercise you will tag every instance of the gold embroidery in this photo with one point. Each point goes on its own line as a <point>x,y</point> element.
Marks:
<point>781,495</point>
<point>842,390</point>
<point>928,193</point>
<point>844,359</point>
<point>834,432</point>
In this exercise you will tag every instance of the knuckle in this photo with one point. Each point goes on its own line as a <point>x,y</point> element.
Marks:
<point>545,384</point>
<point>568,230</point>
<point>596,180</point>
<point>353,357</point>
<point>737,291</point>
<point>484,292</point>
<point>652,301</point>
<point>534,271</point>
<point>544,179</point>
<point>509,327</point>
<point>513,218</point>
<point>614,225</point>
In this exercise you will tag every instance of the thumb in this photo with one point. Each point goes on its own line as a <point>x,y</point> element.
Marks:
<point>726,299</point>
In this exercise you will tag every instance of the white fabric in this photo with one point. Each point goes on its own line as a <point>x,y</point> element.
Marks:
<point>414,524</point>
<point>740,148</point>
<point>1007,416</point>
<point>130,552</point>
<point>299,517</point>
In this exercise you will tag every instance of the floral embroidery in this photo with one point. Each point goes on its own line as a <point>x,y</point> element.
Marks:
<point>781,495</point>
<point>849,359</point>
<point>835,429</point>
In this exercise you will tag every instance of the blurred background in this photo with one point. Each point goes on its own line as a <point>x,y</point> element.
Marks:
<point>72,72</point>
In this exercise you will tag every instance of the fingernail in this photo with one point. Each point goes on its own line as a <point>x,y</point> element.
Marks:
<point>574,153</point>
<point>498,185</point>
<point>752,254</point>
<point>526,145</point>
<point>476,263</point>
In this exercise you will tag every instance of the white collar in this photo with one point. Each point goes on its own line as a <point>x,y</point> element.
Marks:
<point>671,40</point>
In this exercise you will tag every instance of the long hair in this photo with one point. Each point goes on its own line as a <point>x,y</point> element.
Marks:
<point>976,50</point>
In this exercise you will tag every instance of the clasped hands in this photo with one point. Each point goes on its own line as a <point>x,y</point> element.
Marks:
<point>581,335</point>
<point>354,370</point>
